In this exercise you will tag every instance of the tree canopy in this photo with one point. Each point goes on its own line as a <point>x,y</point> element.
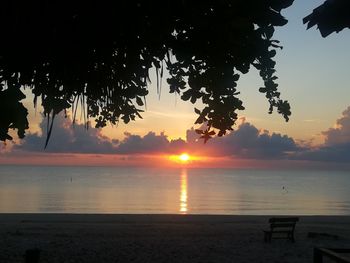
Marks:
<point>99,55</point>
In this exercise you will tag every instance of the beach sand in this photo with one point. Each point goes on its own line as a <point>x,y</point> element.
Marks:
<point>162,238</point>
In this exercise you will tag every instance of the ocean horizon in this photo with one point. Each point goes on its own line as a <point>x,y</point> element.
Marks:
<point>137,190</point>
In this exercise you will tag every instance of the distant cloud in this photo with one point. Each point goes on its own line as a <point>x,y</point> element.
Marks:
<point>340,134</point>
<point>248,142</point>
<point>245,142</point>
<point>339,153</point>
<point>68,139</point>
<point>150,143</point>
<point>337,143</point>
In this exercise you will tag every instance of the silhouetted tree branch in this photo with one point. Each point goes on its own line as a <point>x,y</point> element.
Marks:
<point>99,54</point>
<point>331,16</point>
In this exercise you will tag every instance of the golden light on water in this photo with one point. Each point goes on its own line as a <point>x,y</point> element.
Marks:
<point>183,192</point>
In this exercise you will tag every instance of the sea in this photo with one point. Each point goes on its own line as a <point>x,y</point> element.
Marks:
<point>137,190</point>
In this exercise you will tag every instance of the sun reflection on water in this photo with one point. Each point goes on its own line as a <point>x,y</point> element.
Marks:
<point>183,192</point>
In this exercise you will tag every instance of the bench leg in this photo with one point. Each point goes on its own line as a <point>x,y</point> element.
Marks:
<point>291,237</point>
<point>317,256</point>
<point>267,237</point>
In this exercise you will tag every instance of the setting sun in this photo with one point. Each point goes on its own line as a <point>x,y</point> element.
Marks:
<point>184,157</point>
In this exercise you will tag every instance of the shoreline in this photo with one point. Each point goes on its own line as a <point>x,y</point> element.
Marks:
<point>163,238</point>
<point>109,217</point>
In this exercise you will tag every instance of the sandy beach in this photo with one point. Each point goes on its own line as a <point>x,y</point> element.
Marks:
<point>162,238</point>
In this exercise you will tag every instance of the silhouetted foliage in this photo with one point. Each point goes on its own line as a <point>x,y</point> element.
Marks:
<point>99,55</point>
<point>331,16</point>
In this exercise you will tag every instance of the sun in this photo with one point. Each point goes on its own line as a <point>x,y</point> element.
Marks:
<point>184,157</point>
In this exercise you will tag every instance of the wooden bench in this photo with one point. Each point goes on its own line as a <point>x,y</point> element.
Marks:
<point>281,228</point>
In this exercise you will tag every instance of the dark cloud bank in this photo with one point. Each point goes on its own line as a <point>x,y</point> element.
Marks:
<point>68,139</point>
<point>246,142</point>
<point>337,143</point>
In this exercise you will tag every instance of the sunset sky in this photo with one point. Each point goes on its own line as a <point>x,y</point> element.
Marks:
<point>313,76</point>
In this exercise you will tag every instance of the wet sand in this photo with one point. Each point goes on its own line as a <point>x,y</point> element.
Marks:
<point>162,238</point>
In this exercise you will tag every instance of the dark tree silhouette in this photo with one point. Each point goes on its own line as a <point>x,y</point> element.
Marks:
<point>98,54</point>
<point>331,16</point>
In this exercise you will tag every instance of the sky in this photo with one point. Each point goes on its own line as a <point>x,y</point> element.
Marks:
<point>313,77</point>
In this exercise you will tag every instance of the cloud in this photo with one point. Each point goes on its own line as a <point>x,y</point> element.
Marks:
<point>337,143</point>
<point>341,134</point>
<point>148,144</point>
<point>249,142</point>
<point>338,153</point>
<point>245,142</point>
<point>68,139</point>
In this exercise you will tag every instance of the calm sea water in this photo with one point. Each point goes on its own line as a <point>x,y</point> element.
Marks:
<point>35,189</point>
